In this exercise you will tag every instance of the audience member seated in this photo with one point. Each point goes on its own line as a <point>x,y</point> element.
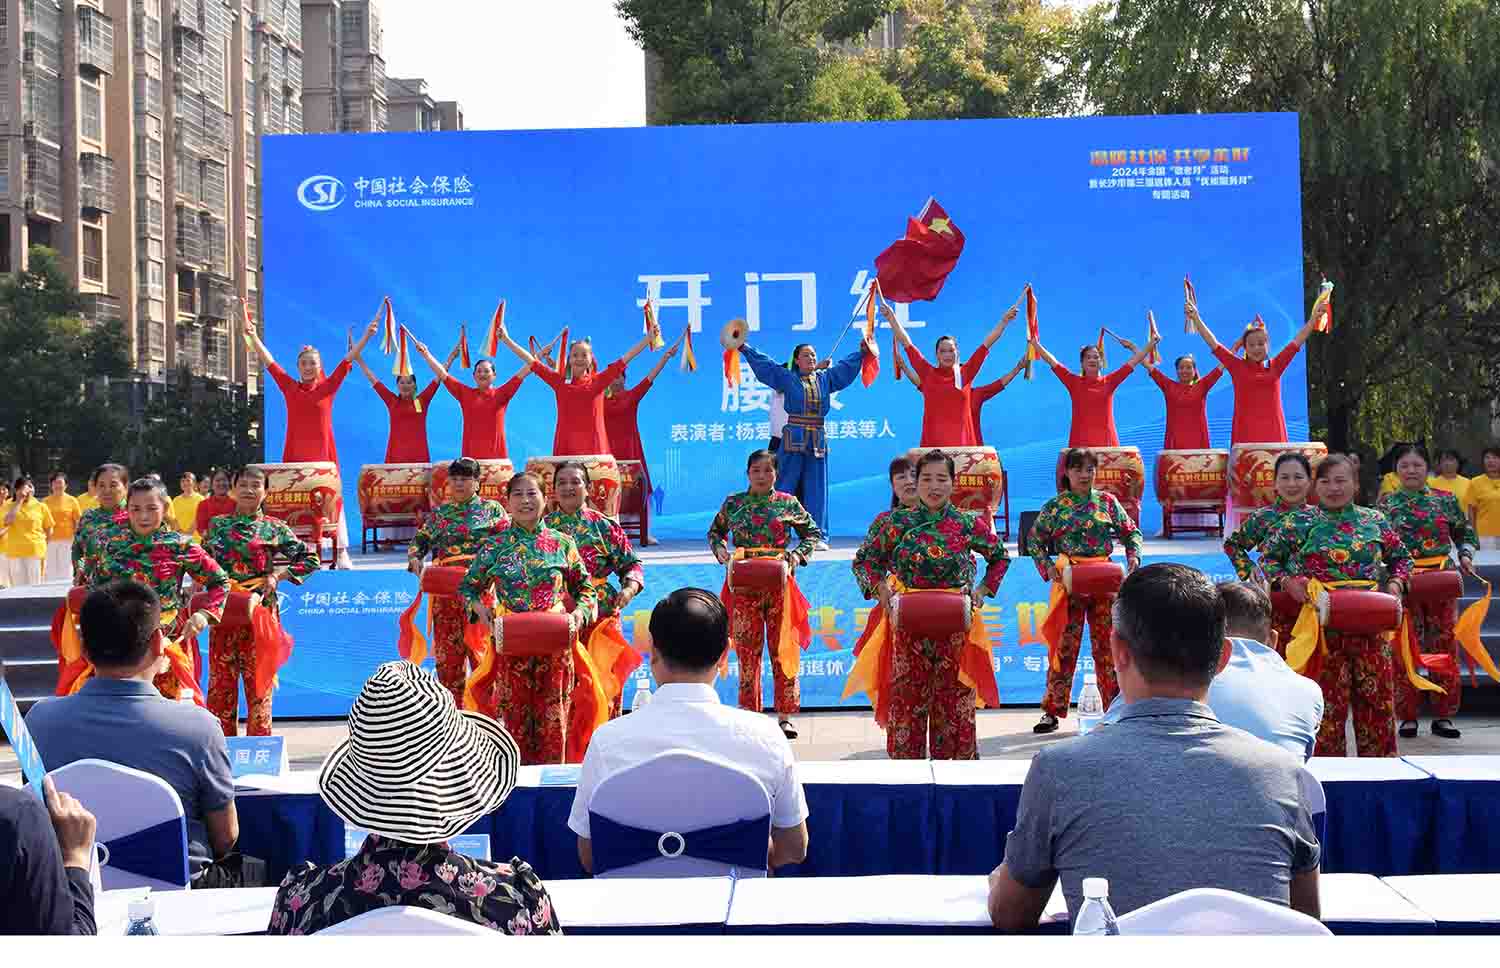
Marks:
<point>44,863</point>
<point>1257,691</point>
<point>119,716</point>
<point>415,771</point>
<point>1206,805</point>
<point>689,633</point>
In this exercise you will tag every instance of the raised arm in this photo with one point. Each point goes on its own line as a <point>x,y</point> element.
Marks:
<point>1306,330</point>
<point>1139,355</point>
<point>666,355</point>
<point>1047,357</point>
<point>889,315</point>
<point>1202,327</point>
<point>253,338</point>
<point>359,345</point>
<point>903,367</point>
<point>999,329</point>
<point>635,350</point>
<point>359,361</point>
<point>438,370</point>
<point>513,346</point>
<point>457,350</point>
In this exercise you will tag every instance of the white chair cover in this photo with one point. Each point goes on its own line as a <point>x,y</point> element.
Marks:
<point>1317,801</point>
<point>1211,911</point>
<point>682,791</point>
<point>131,807</point>
<point>405,920</point>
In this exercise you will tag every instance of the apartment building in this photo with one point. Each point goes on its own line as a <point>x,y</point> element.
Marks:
<point>411,107</point>
<point>345,66</point>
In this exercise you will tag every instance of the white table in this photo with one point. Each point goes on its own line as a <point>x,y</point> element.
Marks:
<point>1364,904</point>
<point>1459,903</point>
<point>886,904</point>
<point>980,772</point>
<point>208,912</point>
<point>1482,768</point>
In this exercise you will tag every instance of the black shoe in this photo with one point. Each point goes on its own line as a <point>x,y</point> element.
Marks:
<point>1408,729</point>
<point>1047,725</point>
<point>1445,729</point>
<point>787,729</point>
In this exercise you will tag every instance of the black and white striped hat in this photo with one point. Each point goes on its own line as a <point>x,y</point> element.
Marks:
<point>415,767</point>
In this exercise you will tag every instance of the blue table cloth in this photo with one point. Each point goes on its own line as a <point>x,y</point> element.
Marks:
<point>975,802</point>
<point>1380,816</point>
<point>1467,823</point>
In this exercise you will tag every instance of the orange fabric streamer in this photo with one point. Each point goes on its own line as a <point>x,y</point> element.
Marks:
<point>613,657</point>
<point>1467,632</point>
<point>388,330</point>
<point>411,643</point>
<point>732,367</point>
<point>869,364</point>
<point>1057,610</point>
<point>689,358</point>
<point>1033,330</point>
<point>492,338</point>
<point>562,353</point>
<point>71,662</point>
<point>795,633</point>
<point>590,705</point>
<point>652,327</point>
<point>463,347</point>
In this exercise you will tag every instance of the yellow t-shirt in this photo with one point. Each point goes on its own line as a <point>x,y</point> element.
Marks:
<point>1458,487</point>
<point>87,502</point>
<point>26,537</point>
<point>1389,484</point>
<point>185,511</point>
<point>65,514</point>
<point>1484,498</point>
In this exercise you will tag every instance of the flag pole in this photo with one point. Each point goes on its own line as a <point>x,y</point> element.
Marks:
<point>858,308</point>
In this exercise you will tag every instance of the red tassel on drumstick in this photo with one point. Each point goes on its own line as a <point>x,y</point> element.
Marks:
<point>492,338</point>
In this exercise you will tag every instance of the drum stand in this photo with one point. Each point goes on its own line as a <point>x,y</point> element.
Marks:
<point>1170,510</point>
<point>1002,513</point>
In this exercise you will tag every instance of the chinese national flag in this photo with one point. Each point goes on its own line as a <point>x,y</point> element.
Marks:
<point>916,266</point>
<point>869,363</point>
<point>1033,331</point>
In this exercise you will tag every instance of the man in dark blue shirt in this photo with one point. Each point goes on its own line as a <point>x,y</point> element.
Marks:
<point>44,864</point>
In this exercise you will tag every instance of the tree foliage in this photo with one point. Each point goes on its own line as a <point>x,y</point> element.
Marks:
<point>195,424</point>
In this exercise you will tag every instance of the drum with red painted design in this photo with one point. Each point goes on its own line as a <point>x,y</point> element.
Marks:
<point>1118,471</point>
<point>494,474</point>
<point>932,614</point>
<point>304,495</point>
<point>604,479</point>
<point>978,477</point>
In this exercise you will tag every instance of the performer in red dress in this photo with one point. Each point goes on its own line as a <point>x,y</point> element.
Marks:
<point>947,420</point>
<point>483,405</point>
<point>216,504</point>
<point>1093,396</point>
<point>621,426</point>
<point>309,399</point>
<point>1258,417</point>
<point>1187,407</point>
<point>580,393</point>
<point>407,441</point>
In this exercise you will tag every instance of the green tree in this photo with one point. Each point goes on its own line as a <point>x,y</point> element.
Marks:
<point>51,367</point>
<point>852,88</point>
<point>194,424</point>
<point>1400,142</point>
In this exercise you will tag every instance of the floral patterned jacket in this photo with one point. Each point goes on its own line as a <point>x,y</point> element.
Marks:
<point>1430,522</point>
<point>763,521</point>
<point>1081,526</point>
<point>530,570</point>
<point>605,550</point>
<point>159,560</point>
<point>244,547</point>
<point>509,897</point>
<point>1253,533</point>
<point>930,549</point>
<point>459,529</point>
<point>96,529</point>
<point>1345,545</point>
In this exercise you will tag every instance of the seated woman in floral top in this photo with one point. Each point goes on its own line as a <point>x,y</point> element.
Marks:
<point>414,772</point>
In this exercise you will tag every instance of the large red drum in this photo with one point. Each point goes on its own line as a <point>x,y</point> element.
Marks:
<point>1192,477</point>
<point>604,479</point>
<point>1120,472</point>
<point>443,579</point>
<point>757,574</point>
<point>237,608</point>
<point>633,485</point>
<point>393,492</point>
<point>1284,607</point>
<point>978,478</point>
<point>1093,579</point>
<point>1358,611</point>
<point>1252,470</point>
<point>533,634</point>
<point>931,614</point>
<point>77,595</point>
<point>494,474</point>
<point>1436,587</point>
<point>304,495</point>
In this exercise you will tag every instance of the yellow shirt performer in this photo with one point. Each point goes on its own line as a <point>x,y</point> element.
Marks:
<point>65,514</point>
<point>27,523</point>
<point>88,501</point>
<point>1482,500</point>
<point>185,505</point>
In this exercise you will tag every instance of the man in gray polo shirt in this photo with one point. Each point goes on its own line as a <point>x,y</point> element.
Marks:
<point>1167,798</point>
<point>119,716</point>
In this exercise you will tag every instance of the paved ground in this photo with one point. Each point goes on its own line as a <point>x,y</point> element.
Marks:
<point>1003,734</point>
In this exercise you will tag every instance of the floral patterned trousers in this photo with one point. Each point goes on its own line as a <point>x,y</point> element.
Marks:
<point>533,697</point>
<point>449,652</point>
<point>756,617</point>
<point>231,658</point>
<point>927,699</point>
<point>1439,621</point>
<point>1060,680</point>
<point>1356,678</point>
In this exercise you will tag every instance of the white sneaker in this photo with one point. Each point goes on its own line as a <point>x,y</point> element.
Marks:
<point>820,546</point>
<point>345,563</point>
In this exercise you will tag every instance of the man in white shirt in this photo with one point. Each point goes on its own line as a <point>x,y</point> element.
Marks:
<point>689,633</point>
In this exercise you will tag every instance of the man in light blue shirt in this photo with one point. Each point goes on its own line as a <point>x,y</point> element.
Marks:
<point>1257,691</point>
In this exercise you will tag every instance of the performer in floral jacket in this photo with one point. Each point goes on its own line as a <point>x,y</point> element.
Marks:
<point>1293,482</point>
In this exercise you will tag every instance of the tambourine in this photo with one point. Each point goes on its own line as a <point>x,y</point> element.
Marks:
<point>1358,611</point>
<point>757,574</point>
<point>931,615</point>
<point>528,634</point>
<point>1093,579</point>
<point>734,334</point>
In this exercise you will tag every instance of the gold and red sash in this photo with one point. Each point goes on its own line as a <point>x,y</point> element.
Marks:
<point>612,655</point>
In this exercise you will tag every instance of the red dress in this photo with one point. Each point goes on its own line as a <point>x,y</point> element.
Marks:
<point>484,416</point>
<point>210,508</point>
<point>1258,417</point>
<point>580,409</point>
<point>620,422</point>
<point>946,419</point>
<point>407,443</point>
<point>978,397</point>
<point>1187,411</point>
<point>1093,407</point>
<point>309,415</point>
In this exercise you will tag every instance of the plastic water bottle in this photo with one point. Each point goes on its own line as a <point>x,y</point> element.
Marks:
<point>1096,916</point>
<point>640,699</point>
<point>1090,705</point>
<point>141,915</point>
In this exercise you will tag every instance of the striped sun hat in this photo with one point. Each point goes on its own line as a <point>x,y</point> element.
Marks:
<point>415,767</point>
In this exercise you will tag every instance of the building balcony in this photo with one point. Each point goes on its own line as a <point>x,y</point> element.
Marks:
<point>96,182</point>
<point>96,42</point>
<point>99,308</point>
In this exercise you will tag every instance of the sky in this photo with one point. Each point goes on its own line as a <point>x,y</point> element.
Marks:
<point>520,63</point>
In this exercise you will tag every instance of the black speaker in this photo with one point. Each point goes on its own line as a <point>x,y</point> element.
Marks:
<point>1028,518</point>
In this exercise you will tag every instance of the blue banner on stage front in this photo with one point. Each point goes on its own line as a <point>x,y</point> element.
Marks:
<point>257,755</point>
<point>780,225</point>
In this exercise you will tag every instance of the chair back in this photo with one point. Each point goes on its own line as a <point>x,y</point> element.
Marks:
<point>141,823</point>
<point>1212,911</point>
<point>401,919</point>
<point>1311,789</point>
<point>680,814</point>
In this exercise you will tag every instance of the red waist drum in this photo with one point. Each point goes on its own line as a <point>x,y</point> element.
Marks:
<point>76,596</point>
<point>237,608</point>
<point>930,615</point>
<point>443,579</point>
<point>534,634</point>
<point>1284,606</point>
<point>1358,611</point>
<point>1435,587</point>
<point>757,574</point>
<point>1093,579</point>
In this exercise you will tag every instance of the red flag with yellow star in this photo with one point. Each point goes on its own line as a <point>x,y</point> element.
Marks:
<point>916,266</point>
